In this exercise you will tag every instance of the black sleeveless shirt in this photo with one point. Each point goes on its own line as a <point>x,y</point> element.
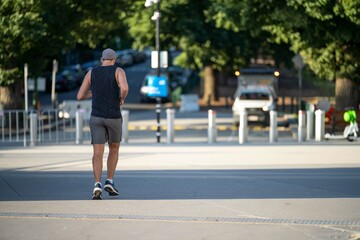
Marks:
<point>105,92</point>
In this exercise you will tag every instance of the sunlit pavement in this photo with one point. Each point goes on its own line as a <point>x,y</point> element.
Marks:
<point>183,191</point>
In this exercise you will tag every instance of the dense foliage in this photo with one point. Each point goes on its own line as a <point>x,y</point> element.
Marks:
<point>217,35</point>
<point>326,33</point>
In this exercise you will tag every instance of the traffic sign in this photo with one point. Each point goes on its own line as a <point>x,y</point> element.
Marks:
<point>298,61</point>
<point>157,86</point>
<point>163,59</point>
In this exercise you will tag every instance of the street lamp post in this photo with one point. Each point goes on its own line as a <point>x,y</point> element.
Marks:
<point>156,17</point>
<point>299,64</point>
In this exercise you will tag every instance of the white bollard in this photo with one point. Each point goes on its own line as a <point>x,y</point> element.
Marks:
<point>33,129</point>
<point>125,125</point>
<point>212,129</point>
<point>309,125</point>
<point>243,128</point>
<point>301,126</point>
<point>79,118</point>
<point>170,116</point>
<point>273,133</point>
<point>319,125</point>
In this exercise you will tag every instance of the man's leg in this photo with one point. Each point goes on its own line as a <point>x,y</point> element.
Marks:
<point>111,167</point>
<point>97,161</point>
<point>97,169</point>
<point>112,159</point>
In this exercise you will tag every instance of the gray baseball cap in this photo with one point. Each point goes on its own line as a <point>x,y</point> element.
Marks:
<point>108,54</point>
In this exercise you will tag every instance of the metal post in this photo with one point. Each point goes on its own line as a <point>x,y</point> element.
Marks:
<point>156,17</point>
<point>283,104</point>
<point>299,65</point>
<point>243,129</point>
<point>300,89</point>
<point>170,116</point>
<point>2,117</point>
<point>319,125</point>
<point>309,125</point>
<point>158,112</point>
<point>33,129</point>
<point>55,68</point>
<point>25,126</point>
<point>273,133</point>
<point>212,129</point>
<point>26,87</point>
<point>125,124</point>
<point>57,124</point>
<point>79,126</point>
<point>158,100</point>
<point>301,126</point>
<point>158,36</point>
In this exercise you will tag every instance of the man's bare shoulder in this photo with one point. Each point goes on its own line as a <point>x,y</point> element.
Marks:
<point>120,70</point>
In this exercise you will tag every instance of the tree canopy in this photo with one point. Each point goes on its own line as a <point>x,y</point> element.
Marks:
<point>214,34</point>
<point>38,31</point>
<point>211,34</point>
<point>205,31</point>
<point>34,32</point>
<point>326,33</point>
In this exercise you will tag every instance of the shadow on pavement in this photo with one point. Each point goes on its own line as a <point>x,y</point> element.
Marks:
<point>186,184</point>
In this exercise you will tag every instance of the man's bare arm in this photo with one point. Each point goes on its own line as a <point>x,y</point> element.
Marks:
<point>122,83</point>
<point>84,91</point>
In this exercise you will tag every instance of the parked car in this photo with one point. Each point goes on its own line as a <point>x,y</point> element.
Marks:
<point>145,89</point>
<point>177,77</point>
<point>76,71</point>
<point>89,65</point>
<point>65,81</point>
<point>257,101</point>
<point>139,56</point>
<point>124,58</point>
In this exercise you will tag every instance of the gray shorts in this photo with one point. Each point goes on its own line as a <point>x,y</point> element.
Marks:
<point>105,130</point>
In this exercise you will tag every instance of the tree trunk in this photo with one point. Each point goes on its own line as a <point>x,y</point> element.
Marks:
<point>6,98</point>
<point>11,97</point>
<point>209,84</point>
<point>347,94</point>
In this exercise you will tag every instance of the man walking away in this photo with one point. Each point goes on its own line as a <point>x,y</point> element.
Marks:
<point>108,88</point>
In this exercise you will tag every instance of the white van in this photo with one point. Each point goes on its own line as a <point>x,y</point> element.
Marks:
<point>256,100</point>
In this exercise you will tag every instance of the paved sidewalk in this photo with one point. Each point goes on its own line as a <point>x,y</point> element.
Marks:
<point>184,191</point>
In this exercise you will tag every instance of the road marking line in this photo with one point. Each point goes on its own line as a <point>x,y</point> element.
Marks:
<point>246,220</point>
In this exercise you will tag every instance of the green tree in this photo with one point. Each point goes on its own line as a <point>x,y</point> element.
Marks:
<point>21,27</point>
<point>189,25</point>
<point>326,33</point>
<point>212,35</point>
<point>36,31</point>
<point>219,33</point>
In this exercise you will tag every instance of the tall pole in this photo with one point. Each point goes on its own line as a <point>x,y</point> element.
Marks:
<point>158,37</point>
<point>158,99</point>
<point>53,81</point>
<point>300,88</point>
<point>299,64</point>
<point>26,69</point>
<point>26,87</point>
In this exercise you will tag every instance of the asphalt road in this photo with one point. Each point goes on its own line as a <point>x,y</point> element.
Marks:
<point>183,191</point>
